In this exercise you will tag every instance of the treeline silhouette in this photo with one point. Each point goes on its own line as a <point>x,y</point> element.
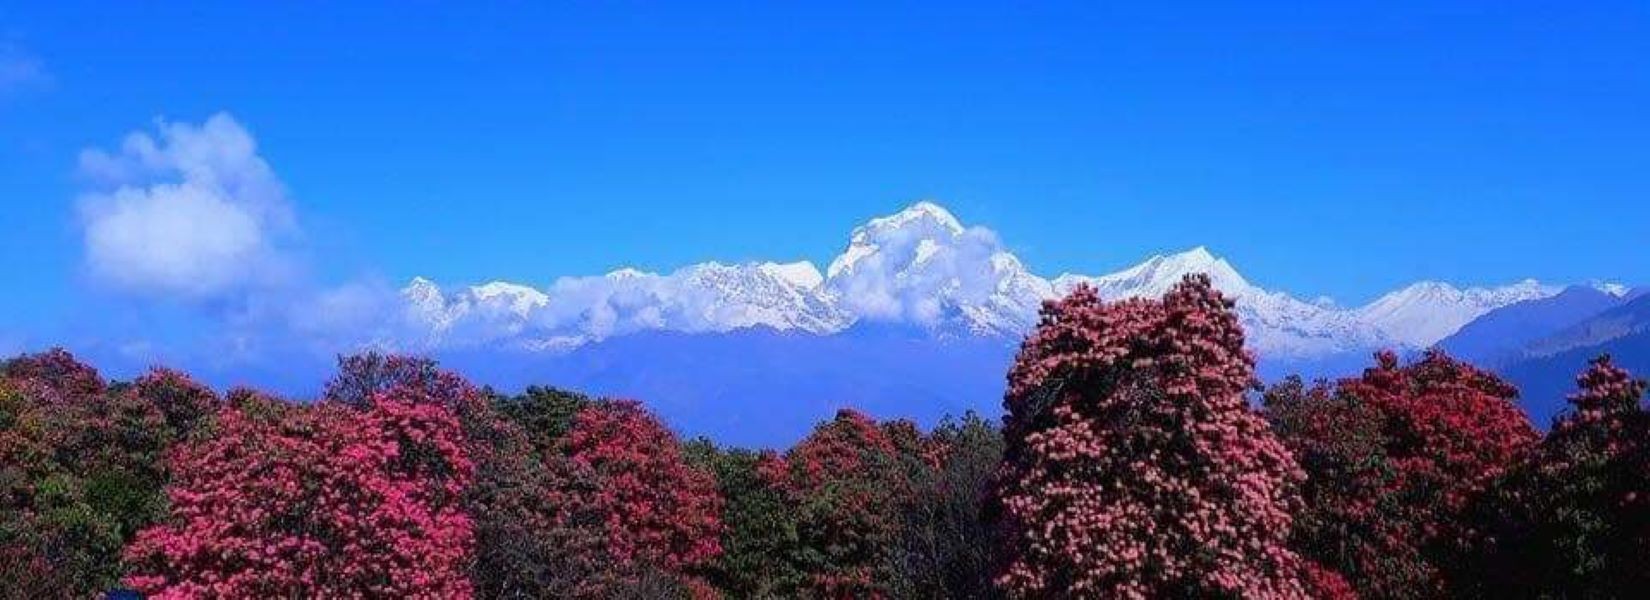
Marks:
<point>1136,460</point>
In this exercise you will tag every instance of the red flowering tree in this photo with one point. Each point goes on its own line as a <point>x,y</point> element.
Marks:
<point>82,466</point>
<point>1133,465</point>
<point>1337,439</point>
<point>626,469</point>
<point>592,499</point>
<point>1576,518</point>
<point>846,484</point>
<point>181,402</point>
<point>58,370</point>
<point>363,377</point>
<point>1397,459</point>
<point>759,536</point>
<point>42,556</point>
<point>317,501</point>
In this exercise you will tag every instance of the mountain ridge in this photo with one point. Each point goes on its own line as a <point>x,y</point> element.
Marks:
<point>925,268</point>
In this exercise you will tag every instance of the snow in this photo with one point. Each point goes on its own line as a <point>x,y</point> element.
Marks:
<point>802,274</point>
<point>923,220</point>
<point>520,299</point>
<point>1424,313</point>
<point>922,212</point>
<point>1159,273</point>
<point>921,267</point>
<point>1277,323</point>
<point>1612,288</point>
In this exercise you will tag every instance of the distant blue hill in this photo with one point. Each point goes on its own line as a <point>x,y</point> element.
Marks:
<point>1501,336</point>
<point>759,387</point>
<point>752,387</point>
<point>1547,374</point>
<point>1544,383</point>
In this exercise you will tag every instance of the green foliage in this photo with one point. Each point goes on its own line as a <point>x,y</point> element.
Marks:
<point>859,508</point>
<point>544,413</point>
<point>82,469</point>
<point>760,545</point>
<point>1574,519</point>
<point>944,549</point>
<point>579,497</point>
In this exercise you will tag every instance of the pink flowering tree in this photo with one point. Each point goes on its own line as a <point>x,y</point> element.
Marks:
<point>315,501</point>
<point>624,469</point>
<point>1133,466</point>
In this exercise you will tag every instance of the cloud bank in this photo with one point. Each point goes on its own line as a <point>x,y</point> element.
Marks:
<point>921,265</point>
<point>191,212</point>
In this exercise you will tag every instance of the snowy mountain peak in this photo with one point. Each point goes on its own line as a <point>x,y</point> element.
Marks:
<point>923,211</point>
<point>519,299</point>
<point>1612,288</point>
<point>909,228</point>
<point>420,286</point>
<point>802,274</point>
<point>1174,267</point>
<point>423,296</point>
<point>1424,313</point>
<point>628,273</point>
<point>1159,273</point>
<point>1199,254</point>
<point>921,266</point>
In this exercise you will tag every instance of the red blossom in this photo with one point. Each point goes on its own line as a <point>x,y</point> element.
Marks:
<point>1134,466</point>
<point>1396,460</point>
<point>847,485</point>
<point>318,501</point>
<point>654,507</point>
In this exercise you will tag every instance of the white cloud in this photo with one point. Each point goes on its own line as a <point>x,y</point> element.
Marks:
<point>195,213</point>
<point>706,297</point>
<point>922,266</point>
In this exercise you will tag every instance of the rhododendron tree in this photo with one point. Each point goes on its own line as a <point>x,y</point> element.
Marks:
<point>52,544</point>
<point>523,548</point>
<point>544,414</point>
<point>59,371</point>
<point>1337,439</point>
<point>592,499</point>
<point>1397,459</point>
<point>1325,584</point>
<point>1134,466</point>
<point>1575,520</point>
<point>81,465</point>
<point>846,485</point>
<point>362,377</point>
<point>315,501</point>
<point>655,508</point>
<point>181,402</point>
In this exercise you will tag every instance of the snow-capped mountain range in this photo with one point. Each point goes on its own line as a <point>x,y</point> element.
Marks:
<point>921,268</point>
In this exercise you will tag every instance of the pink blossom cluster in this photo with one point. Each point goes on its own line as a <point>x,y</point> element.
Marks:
<point>315,501</point>
<point>654,506</point>
<point>1134,466</point>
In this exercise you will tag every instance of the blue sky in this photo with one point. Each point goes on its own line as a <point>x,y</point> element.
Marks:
<point>1337,151</point>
